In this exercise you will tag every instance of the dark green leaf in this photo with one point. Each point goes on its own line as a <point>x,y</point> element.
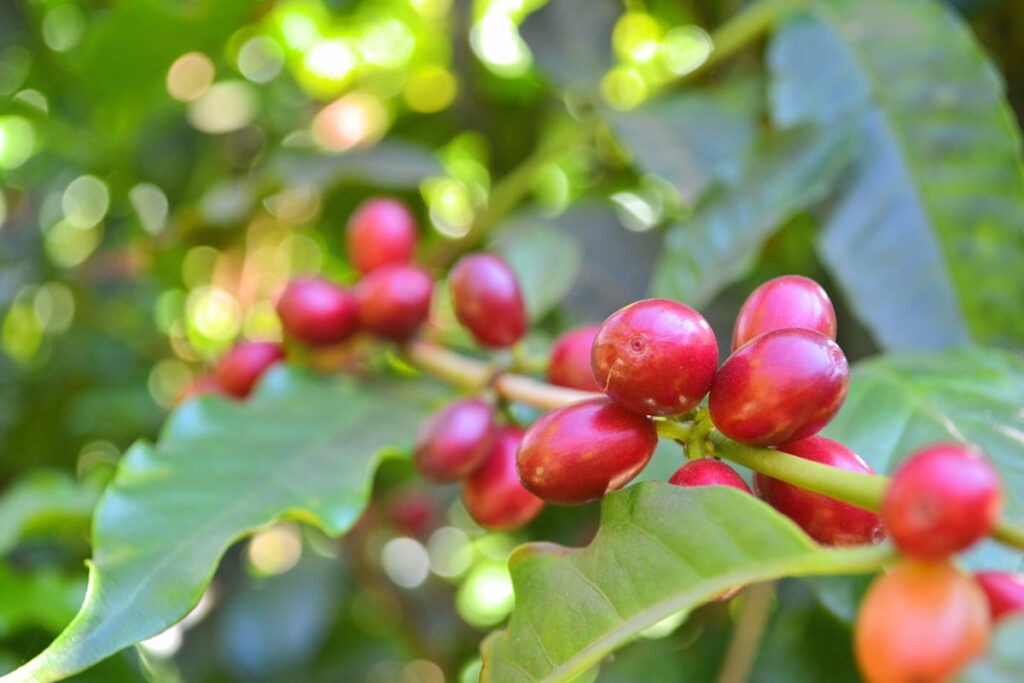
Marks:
<point>640,569</point>
<point>692,139</point>
<point>545,259</point>
<point>900,403</point>
<point>44,598</point>
<point>302,447</point>
<point>719,243</point>
<point>926,237</point>
<point>571,40</point>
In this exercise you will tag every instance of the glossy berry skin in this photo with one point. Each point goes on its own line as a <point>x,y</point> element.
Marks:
<point>787,301</point>
<point>921,623</point>
<point>493,495</point>
<point>825,519</point>
<point>569,365</point>
<point>942,499</point>
<point>783,386</point>
<point>584,450</point>
<point>487,300</point>
<point>455,441</point>
<point>381,231</point>
<point>1004,591</point>
<point>318,312</point>
<point>240,368</point>
<point>394,301</point>
<point>655,357</point>
<point>708,472</point>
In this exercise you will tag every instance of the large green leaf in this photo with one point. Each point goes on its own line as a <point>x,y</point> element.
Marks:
<point>927,236</point>
<point>660,550</point>
<point>720,242</point>
<point>300,447</point>
<point>899,403</point>
<point>571,39</point>
<point>693,139</point>
<point>545,259</point>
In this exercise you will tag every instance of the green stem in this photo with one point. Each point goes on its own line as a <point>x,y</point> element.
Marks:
<point>746,637</point>
<point>507,192</point>
<point>741,30</point>
<point>863,490</point>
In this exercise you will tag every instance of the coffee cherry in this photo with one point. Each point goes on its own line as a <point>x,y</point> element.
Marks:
<point>318,312</point>
<point>1004,591</point>
<point>492,494</point>
<point>487,300</point>
<point>921,623</point>
<point>455,441</point>
<point>240,368</point>
<point>381,231</point>
<point>782,386</point>
<point>825,519</point>
<point>569,364</point>
<point>708,472</point>
<point>787,301</point>
<point>582,451</point>
<point>942,499</point>
<point>655,357</point>
<point>394,300</point>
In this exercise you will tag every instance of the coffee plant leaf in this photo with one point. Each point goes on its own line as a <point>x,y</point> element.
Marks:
<point>925,233</point>
<point>300,447</point>
<point>660,550</point>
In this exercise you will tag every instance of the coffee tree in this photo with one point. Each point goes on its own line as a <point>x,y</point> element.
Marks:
<point>719,379</point>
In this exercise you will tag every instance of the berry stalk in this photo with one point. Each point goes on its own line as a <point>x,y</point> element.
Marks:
<point>862,490</point>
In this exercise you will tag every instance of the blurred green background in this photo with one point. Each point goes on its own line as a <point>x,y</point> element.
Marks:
<point>166,165</point>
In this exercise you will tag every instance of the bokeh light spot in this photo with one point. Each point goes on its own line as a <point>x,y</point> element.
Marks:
<point>486,597</point>
<point>430,89</point>
<point>405,561</point>
<point>357,119</point>
<point>635,37</point>
<point>450,550</point>
<point>225,107</point>
<point>275,550</point>
<point>62,27</point>
<point>190,76</point>
<point>151,206</point>
<point>260,59</point>
<point>624,87</point>
<point>17,141</point>
<point>85,201</point>
<point>685,48</point>
<point>69,245</point>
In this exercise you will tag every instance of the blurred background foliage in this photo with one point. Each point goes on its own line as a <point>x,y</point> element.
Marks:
<point>166,165</point>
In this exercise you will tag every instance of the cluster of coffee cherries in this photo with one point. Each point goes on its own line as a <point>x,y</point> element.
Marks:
<point>391,300</point>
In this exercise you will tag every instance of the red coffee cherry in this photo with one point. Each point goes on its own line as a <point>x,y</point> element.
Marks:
<point>240,368</point>
<point>787,301</point>
<point>655,357</point>
<point>921,623</point>
<point>942,499</point>
<point>708,472</point>
<point>394,301</point>
<point>825,519</point>
<point>783,386</point>
<point>318,312</point>
<point>487,300</point>
<point>1004,591</point>
<point>569,365</point>
<point>493,495</point>
<point>455,441</point>
<point>381,231</point>
<point>582,451</point>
